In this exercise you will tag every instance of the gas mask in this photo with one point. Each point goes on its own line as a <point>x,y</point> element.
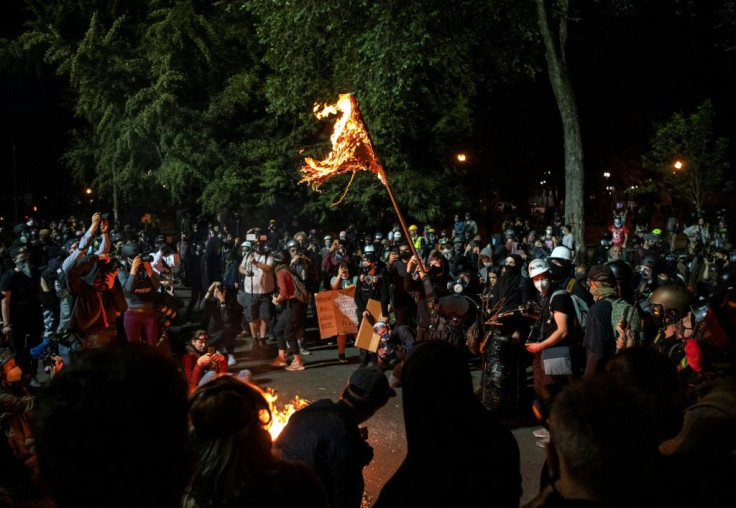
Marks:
<point>24,266</point>
<point>458,286</point>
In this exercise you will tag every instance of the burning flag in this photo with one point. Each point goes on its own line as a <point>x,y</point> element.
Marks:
<point>352,150</point>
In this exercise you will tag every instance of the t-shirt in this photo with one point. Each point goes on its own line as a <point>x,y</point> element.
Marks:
<point>562,302</point>
<point>261,282</point>
<point>619,234</point>
<point>599,337</point>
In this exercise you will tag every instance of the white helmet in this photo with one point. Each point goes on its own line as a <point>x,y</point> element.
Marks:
<point>536,267</point>
<point>561,252</point>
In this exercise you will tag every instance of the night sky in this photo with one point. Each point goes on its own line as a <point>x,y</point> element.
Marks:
<point>626,73</point>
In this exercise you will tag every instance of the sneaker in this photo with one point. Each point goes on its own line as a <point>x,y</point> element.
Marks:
<point>231,360</point>
<point>295,366</point>
<point>245,375</point>
<point>541,433</point>
<point>302,348</point>
<point>278,362</point>
<point>342,358</point>
<point>542,443</point>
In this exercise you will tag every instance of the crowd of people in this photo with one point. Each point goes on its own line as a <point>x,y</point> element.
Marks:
<point>629,343</point>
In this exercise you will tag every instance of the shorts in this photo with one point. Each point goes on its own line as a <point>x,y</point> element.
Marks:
<point>257,306</point>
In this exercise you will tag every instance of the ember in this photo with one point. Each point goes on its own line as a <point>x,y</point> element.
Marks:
<point>280,417</point>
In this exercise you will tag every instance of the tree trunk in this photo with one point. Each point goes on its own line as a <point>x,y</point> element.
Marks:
<point>573,146</point>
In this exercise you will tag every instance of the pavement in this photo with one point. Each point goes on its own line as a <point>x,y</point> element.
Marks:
<point>324,377</point>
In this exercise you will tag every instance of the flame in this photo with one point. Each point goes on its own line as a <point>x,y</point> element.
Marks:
<point>352,150</point>
<point>280,417</point>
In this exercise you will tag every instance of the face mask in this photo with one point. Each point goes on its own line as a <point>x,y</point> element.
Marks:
<point>435,270</point>
<point>24,267</point>
<point>487,263</point>
<point>541,285</point>
<point>14,375</point>
<point>405,255</point>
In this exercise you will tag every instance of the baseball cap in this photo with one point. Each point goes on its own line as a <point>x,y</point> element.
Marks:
<point>369,384</point>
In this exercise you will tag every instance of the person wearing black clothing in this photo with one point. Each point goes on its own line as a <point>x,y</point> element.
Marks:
<point>326,436</point>
<point>401,300</point>
<point>458,453</point>
<point>552,329</point>
<point>373,283</point>
<point>223,315</point>
<point>600,339</point>
<point>502,362</point>
<point>21,308</point>
<point>427,287</point>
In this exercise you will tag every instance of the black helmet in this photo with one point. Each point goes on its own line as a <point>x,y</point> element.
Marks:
<point>622,271</point>
<point>650,260</point>
<point>369,256</point>
<point>669,304</point>
<point>130,250</point>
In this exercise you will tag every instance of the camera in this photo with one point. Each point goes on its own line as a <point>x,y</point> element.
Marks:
<point>146,258</point>
<point>106,216</point>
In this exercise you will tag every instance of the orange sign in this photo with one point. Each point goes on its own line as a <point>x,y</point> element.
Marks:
<point>336,312</point>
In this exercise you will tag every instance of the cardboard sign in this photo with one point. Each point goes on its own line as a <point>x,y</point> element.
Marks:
<point>366,339</point>
<point>336,312</point>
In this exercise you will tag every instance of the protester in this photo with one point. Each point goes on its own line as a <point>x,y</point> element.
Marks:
<point>233,463</point>
<point>458,453</point>
<point>326,435</point>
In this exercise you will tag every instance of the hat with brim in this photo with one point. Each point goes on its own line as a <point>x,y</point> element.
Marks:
<point>370,384</point>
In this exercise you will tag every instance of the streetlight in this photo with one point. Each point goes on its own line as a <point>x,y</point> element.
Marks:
<point>461,157</point>
<point>679,164</point>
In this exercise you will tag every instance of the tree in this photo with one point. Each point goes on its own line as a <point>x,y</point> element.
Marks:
<point>562,88</point>
<point>687,160</point>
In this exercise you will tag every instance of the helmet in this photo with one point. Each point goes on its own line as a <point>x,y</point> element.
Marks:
<point>247,244</point>
<point>413,227</point>
<point>378,236</point>
<point>281,256</point>
<point>650,260</point>
<point>130,250</point>
<point>369,256</point>
<point>369,248</point>
<point>537,267</point>
<point>291,243</point>
<point>622,271</point>
<point>669,303</point>
<point>561,252</point>
<point>160,239</point>
<point>397,235</point>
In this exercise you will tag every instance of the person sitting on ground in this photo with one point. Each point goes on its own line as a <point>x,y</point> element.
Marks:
<point>326,436</point>
<point>223,315</point>
<point>111,431</point>
<point>233,463</point>
<point>458,453</point>
<point>200,358</point>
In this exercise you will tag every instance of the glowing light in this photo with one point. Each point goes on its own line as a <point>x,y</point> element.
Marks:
<point>280,415</point>
<point>88,190</point>
<point>352,150</point>
<point>679,164</point>
<point>461,157</point>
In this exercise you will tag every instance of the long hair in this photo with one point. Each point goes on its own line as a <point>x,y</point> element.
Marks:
<point>229,440</point>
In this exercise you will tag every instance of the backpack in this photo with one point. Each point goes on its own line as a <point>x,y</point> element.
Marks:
<point>626,324</point>
<point>581,312</point>
<point>301,293</point>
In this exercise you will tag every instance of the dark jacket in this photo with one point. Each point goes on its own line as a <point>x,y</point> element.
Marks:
<point>92,310</point>
<point>325,435</point>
